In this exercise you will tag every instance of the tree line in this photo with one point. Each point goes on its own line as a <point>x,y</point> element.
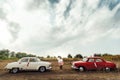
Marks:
<point>7,54</point>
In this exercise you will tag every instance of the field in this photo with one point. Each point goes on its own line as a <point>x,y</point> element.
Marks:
<point>55,74</point>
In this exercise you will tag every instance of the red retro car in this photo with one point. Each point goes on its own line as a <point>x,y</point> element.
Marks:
<point>93,63</point>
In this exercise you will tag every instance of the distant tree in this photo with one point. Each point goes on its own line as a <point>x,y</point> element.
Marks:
<point>106,54</point>
<point>48,56</point>
<point>20,55</point>
<point>4,54</point>
<point>69,56</point>
<point>12,54</point>
<point>97,55</point>
<point>78,56</point>
<point>30,55</point>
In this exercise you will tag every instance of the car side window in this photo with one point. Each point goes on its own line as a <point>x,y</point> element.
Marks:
<point>33,60</point>
<point>99,60</point>
<point>91,60</point>
<point>24,60</point>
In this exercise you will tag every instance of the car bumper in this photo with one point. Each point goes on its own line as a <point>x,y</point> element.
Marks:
<point>49,68</point>
<point>6,68</point>
<point>74,67</point>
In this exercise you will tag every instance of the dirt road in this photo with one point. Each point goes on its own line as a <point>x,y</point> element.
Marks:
<point>60,75</point>
<point>55,74</point>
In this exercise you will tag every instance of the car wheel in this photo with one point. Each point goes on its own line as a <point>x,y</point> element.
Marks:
<point>42,69</point>
<point>81,69</point>
<point>107,69</point>
<point>14,70</point>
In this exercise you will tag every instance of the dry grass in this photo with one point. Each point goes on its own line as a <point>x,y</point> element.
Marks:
<point>56,74</point>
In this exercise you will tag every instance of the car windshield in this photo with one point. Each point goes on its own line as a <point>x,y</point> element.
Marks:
<point>38,60</point>
<point>84,59</point>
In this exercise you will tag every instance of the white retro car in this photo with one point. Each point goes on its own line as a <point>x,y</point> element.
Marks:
<point>28,63</point>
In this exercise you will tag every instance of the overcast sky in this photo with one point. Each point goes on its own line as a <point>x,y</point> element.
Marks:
<point>60,27</point>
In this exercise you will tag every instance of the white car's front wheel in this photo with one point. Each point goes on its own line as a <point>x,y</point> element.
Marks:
<point>42,69</point>
<point>14,70</point>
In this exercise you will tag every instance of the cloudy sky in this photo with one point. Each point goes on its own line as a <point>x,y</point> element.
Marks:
<point>60,27</point>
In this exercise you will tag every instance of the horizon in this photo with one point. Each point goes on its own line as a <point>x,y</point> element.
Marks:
<point>73,55</point>
<point>59,27</point>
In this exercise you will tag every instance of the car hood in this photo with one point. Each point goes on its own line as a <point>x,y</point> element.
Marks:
<point>78,62</point>
<point>13,63</point>
<point>108,62</point>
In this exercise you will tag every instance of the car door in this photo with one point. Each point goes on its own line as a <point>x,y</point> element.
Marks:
<point>33,64</point>
<point>91,64</point>
<point>100,63</point>
<point>24,63</point>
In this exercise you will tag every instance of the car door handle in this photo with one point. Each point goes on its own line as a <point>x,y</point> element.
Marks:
<point>27,64</point>
<point>95,64</point>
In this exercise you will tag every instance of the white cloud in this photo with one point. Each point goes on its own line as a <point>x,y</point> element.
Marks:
<point>4,34</point>
<point>45,29</point>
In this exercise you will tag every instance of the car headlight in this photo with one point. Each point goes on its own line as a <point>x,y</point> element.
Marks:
<point>73,64</point>
<point>7,66</point>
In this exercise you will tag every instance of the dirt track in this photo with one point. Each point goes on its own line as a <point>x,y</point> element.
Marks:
<point>61,75</point>
<point>55,74</point>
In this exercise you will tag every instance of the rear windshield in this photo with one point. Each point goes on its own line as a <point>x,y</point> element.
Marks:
<point>84,59</point>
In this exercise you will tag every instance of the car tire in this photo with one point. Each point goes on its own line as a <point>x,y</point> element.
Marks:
<point>81,69</point>
<point>42,69</point>
<point>107,69</point>
<point>14,70</point>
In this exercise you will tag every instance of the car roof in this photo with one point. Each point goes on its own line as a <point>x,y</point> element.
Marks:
<point>95,57</point>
